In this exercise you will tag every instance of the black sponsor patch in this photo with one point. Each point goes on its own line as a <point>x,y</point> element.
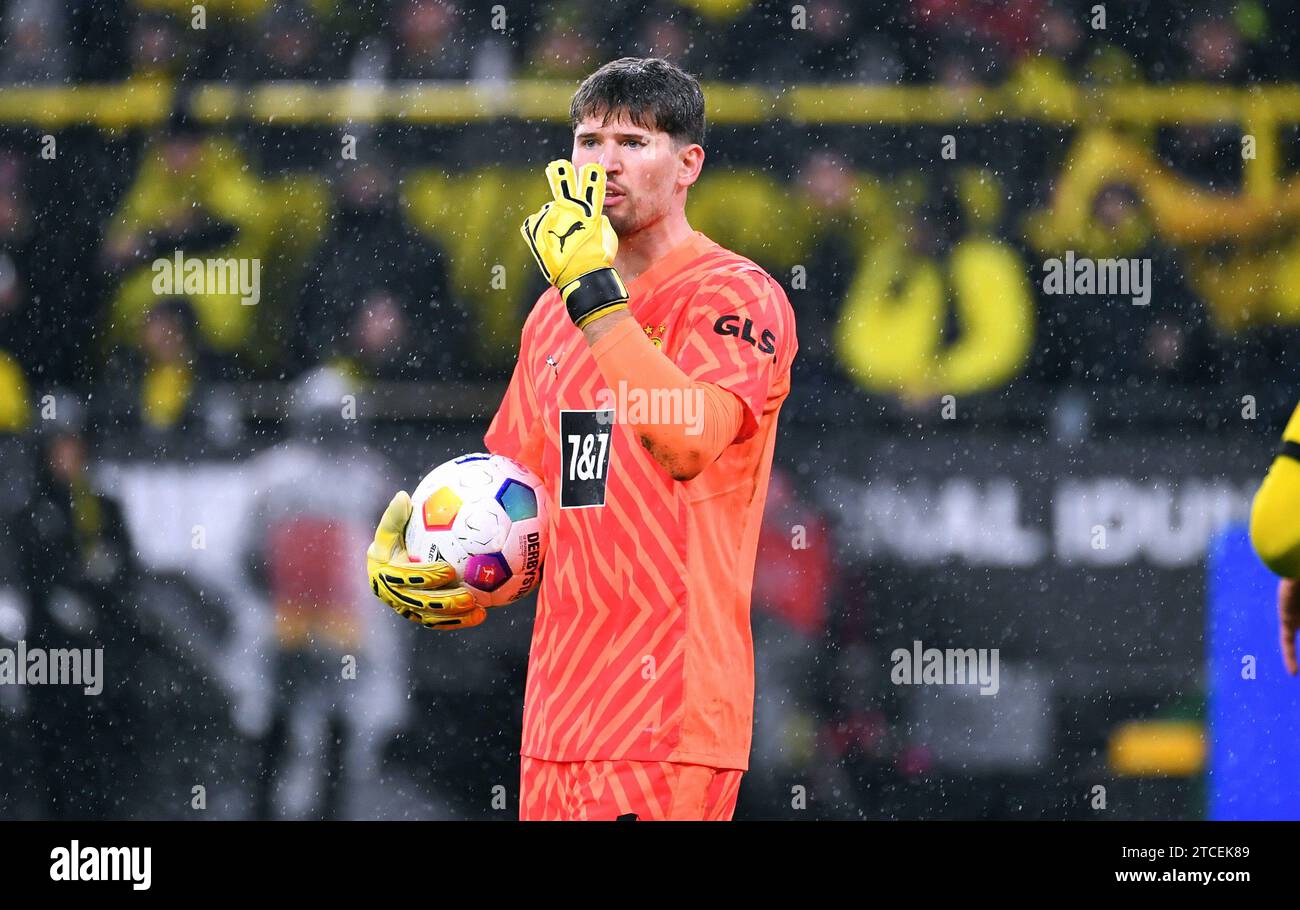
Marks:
<point>586,438</point>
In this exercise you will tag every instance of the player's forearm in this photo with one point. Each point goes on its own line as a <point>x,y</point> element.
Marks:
<point>685,439</point>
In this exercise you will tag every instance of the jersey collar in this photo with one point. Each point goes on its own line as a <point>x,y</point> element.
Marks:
<point>670,263</point>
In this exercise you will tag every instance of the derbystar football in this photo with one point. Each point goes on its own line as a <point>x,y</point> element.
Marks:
<point>487,516</point>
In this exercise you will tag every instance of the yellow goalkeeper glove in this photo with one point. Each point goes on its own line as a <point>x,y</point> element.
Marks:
<point>428,592</point>
<point>574,243</point>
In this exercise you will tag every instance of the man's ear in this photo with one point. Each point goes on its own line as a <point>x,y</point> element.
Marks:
<point>690,160</point>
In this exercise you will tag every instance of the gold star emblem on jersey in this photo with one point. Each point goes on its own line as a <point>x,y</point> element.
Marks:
<point>656,335</point>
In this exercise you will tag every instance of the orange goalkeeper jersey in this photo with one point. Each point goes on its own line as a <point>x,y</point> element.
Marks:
<point>641,647</point>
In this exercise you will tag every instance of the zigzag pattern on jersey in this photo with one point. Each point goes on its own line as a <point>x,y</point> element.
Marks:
<point>551,791</point>
<point>609,581</point>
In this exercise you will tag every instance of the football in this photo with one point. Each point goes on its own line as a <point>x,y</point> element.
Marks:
<point>487,516</point>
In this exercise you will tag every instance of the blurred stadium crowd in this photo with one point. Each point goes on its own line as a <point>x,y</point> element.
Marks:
<point>946,41</point>
<point>364,260</point>
<point>913,275</point>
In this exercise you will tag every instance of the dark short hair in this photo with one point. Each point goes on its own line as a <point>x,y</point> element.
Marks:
<point>655,95</point>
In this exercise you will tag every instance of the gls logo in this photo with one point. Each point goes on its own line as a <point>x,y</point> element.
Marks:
<point>731,325</point>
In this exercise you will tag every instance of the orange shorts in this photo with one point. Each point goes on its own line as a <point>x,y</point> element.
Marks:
<point>625,791</point>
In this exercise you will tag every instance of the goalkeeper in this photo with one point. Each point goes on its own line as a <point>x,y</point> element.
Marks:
<point>640,692</point>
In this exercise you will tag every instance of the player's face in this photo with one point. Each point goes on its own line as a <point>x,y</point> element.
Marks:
<point>641,167</point>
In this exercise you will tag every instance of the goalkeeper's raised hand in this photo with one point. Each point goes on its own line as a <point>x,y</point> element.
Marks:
<point>427,593</point>
<point>574,243</point>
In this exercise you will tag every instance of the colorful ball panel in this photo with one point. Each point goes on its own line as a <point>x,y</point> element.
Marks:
<point>440,510</point>
<point>487,571</point>
<point>519,500</point>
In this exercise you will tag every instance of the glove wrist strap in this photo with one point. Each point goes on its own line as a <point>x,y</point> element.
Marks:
<point>594,294</point>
